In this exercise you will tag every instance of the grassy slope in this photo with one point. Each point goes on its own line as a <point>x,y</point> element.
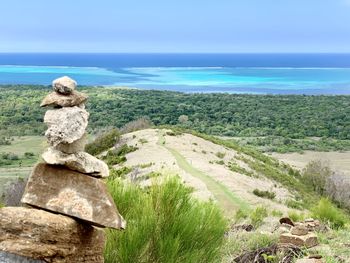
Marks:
<point>226,198</point>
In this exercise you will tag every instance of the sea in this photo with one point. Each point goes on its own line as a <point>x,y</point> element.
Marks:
<point>309,74</point>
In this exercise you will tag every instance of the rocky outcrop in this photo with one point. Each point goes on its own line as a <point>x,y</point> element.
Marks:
<point>61,190</point>
<point>80,161</point>
<point>40,235</point>
<point>68,183</point>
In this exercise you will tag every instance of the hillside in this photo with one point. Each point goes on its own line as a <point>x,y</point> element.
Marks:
<point>212,170</point>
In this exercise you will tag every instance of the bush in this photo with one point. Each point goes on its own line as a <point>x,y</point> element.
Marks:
<point>295,216</point>
<point>264,194</point>
<point>337,188</point>
<point>328,213</point>
<point>136,125</point>
<point>13,192</point>
<point>316,174</point>
<point>103,142</point>
<point>165,224</point>
<point>220,155</point>
<point>257,216</point>
<point>117,156</point>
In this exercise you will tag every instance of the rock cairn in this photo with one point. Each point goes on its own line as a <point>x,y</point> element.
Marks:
<point>68,183</point>
<point>300,234</point>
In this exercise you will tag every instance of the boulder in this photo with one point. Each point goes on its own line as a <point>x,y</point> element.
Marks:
<point>33,235</point>
<point>65,125</point>
<point>64,85</point>
<point>74,147</point>
<point>56,99</point>
<point>309,240</point>
<point>81,162</point>
<point>299,230</point>
<point>59,190</point>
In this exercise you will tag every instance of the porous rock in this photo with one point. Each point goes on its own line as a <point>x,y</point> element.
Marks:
<point>80,161</point>
<point>299,230</point>
<point>65,125</point>
<point>33,235</point>
<point>309,240</point>
<point>56,99</point>
<point>64,85</point>
<point>60,190</point>
<point>74,147</point>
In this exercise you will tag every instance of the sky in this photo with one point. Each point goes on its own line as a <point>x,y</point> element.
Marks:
<point>179,26</point>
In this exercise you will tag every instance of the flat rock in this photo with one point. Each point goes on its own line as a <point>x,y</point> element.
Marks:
<point>74,147</point>
<point>33,235</point>
<point>81,162</point>
<point>64,85</point>
<point>309,240</point>
<point>299,230</point>
<point>65,125</point>
<point>56,99</point>
<point>57,189</point>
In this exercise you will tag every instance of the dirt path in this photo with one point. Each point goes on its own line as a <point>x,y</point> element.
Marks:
<point>226,199</point>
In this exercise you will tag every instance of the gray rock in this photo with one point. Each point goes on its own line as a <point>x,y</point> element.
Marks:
<point>77,146</point>
<point>33,235</point>
<point>56,99</point>
<point>65,125</point>
<point>57,189</point>
<point>81,162</point>
<point>64,85</point>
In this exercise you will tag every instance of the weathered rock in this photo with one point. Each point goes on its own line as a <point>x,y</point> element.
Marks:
<point>37,234</point>
<point>66,125</point>
<point>299,230</point>
<point>81,162</point>
<point>309,260</point>
<point>57,189</point>
<point>74,147</point>
<point>64,85</point>
<point>309,240</point>
<point>56,99</point>
<point>13,258</point>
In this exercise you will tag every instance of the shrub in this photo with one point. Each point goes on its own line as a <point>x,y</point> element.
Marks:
<point>295,216</point>
<point>220,155</point>
<point>316,174</point>
<point>264,194</point>
<point>136,125</point>
<point>257,216</point>
<point>328,213</point>
<point>241,214</point>
<point>28,154</point>
<point>337,188</point>
<point>291,203</point>
<point>117,156</point>
<point>165,224</point>
<point>103,142</point>
<point>13,192</point>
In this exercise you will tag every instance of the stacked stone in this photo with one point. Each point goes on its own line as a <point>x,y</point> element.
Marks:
<point>300,236</point>
<point>69,183</point>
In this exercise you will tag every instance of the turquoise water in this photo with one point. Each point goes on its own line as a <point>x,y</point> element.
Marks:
<point>261,74</point>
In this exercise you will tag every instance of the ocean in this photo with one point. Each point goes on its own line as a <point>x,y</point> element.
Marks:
<point>202,73</point>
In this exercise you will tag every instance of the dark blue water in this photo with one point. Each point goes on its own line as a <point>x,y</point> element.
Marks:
<point>232,73</point>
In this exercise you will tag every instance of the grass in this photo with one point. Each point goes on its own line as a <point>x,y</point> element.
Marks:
<point>226,198</point>
<point>165,224</point>
<point>257,216</point>
<point>20,145</point>
<point>329,214</point>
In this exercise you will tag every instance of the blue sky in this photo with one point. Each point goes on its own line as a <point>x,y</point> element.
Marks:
<point>175,26</point>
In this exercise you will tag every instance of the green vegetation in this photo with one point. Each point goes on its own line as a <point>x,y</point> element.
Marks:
<point>328,213</point>
<point>257,216</point>
<point>291,116</point>
<point>165,224</point>
<point>103,142</point>
<point>117,156</point>
<point>285,144</point>
<point>264,194</point>
<point>220,155</point>
<point>295,216</point>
